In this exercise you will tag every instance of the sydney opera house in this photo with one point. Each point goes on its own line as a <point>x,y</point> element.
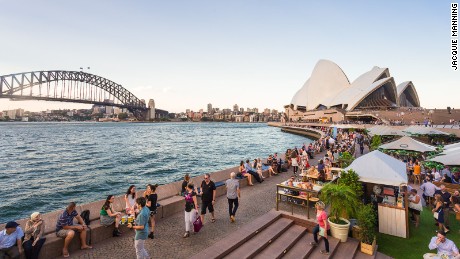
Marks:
<point>329,95</point>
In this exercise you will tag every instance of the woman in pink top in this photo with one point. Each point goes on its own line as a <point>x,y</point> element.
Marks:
<point>322,228</point>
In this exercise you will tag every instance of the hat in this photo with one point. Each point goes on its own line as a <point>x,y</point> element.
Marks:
<point>441,232</point>
<point>11,224</point>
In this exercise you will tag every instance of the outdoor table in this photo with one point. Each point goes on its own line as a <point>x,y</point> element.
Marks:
<point>306,198</point>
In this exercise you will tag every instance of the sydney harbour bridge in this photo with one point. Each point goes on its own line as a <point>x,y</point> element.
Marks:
<point>73,86</point>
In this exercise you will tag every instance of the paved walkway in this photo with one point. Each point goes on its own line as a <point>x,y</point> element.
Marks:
<point>168,243</point>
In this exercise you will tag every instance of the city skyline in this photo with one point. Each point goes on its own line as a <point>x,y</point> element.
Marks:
<point>255,54</point>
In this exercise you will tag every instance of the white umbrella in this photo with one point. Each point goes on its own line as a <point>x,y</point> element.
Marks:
<point>385,131</point>
<point>408,143</point>
<point>377,167</point>
<point>424,130</point>
<point>449,159</point>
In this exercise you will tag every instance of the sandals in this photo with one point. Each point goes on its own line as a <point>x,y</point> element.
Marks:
<point>187,234</point>
<point>65,255</point>
<point>213,220</point>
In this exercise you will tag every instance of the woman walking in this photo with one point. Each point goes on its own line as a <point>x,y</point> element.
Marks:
<point>191,205</point>
<point>323,228</point>
<point>34,240</point>
<point>109,216</point>
<point>415,206</point>
<point>438,212</point>
<point>142,229</point>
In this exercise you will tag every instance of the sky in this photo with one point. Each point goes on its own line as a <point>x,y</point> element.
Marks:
<point>254,53</point>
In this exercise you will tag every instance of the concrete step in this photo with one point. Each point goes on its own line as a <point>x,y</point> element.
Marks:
<point>283,243</point>
<point>301,249</point>
<point>237,238</point>
<point>333,244</point>
<point>264,238</point>
<point>347,250</point>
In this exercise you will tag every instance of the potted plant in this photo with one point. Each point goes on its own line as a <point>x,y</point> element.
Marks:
<point>342,201</point>
<point>367,222</point>
<point>376,142</point>
<point>351,178</point>
<point>345,159</point>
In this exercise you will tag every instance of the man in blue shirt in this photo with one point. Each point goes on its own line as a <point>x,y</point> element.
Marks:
<point>446,248</point>
<point>66,229</point>
<point>142,229</point>
<point>10,236</point>
<point>251,171</point>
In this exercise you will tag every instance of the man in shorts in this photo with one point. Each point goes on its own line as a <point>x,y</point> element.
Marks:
<point>66,229</point>
<point>208,197</point>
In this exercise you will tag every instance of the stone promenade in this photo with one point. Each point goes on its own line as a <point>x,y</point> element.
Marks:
<point>168,243</point>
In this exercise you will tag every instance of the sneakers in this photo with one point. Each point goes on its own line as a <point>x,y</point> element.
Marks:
<point>232,219</point>
<point>324,252</point>
<point>187,234</point>
<point>313,244</point>
<point>151,235</point>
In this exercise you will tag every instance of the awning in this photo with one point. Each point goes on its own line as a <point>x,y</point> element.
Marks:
<point>408,143</point>
<point>379,168</point>
<point>424,130</point>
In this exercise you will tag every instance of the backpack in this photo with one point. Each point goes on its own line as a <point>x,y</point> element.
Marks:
<point>85,216</point>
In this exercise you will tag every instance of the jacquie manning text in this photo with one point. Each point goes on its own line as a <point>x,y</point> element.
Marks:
<point>454,35</point>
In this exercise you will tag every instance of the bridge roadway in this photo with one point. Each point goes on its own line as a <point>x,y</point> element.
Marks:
<point>168,243</point>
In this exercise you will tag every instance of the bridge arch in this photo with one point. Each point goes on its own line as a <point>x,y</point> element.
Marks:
<point>70,86</point>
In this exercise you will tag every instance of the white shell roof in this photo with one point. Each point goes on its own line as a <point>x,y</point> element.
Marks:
<point>403,86</point>
<point>327,79</point>
<point>329,86</point>
<point>357,92</point>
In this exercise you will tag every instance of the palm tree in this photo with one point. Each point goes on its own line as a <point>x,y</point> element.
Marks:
<point>341,198</point>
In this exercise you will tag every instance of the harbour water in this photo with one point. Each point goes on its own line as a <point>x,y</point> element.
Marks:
<point>45,165</point>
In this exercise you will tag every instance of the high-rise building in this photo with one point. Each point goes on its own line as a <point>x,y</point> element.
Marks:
<point>242,110</point>
<point>210,111</point>
<point>235,108</point>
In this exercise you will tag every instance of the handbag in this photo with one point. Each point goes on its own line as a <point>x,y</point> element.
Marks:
<point>436,215</point>
<point>197,224</point>
<point>321,231</point>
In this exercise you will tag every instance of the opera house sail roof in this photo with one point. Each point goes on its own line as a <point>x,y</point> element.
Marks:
<point>329,87</point>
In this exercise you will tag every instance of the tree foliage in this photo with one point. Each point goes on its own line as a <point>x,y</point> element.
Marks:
<point>367,220</point>
<point>341,199</point>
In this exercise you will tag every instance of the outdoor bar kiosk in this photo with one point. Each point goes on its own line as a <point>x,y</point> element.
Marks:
<point>385,177</point>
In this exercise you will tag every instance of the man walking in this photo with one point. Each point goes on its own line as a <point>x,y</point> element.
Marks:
<point>233,193</point>
<point>208,197</point>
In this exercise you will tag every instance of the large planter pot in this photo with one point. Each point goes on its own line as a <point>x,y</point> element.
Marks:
<point>340,231</point>
<point>368,249</point>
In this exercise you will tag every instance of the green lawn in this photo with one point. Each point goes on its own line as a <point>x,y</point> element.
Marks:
<point>417,244</point>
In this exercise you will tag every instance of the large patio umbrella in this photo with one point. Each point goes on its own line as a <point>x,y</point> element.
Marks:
<point>379,168</point>
<point>449,159</point>
<point>424,130</point>
<point>408,143</point>
<point>385,131</point>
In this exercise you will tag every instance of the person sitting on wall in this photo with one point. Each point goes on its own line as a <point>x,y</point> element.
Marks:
<point>251,171</point>
<point>10,240</point>
<point>130,201</point>
<point>109,216</point>
<point>34,240</point>
<point>66,229</point>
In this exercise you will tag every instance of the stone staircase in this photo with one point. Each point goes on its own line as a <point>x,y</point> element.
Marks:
<point>280,235</point>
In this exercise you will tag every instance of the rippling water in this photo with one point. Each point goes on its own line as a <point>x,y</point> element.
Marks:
<point>45,165</point>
